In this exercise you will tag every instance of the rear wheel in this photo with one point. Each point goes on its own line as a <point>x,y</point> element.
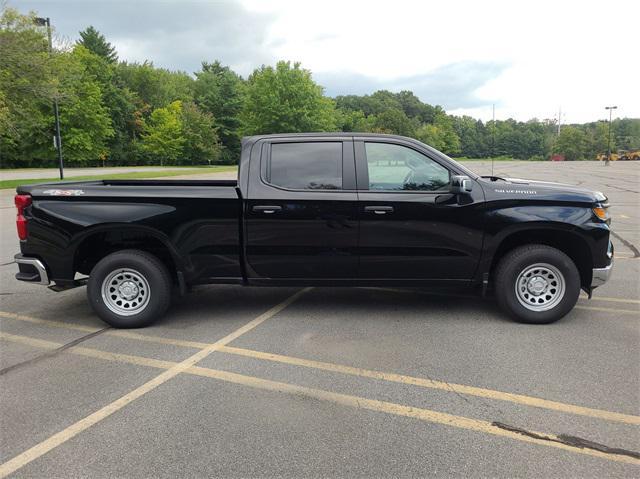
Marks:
<point>129,289</point>
<point>537,284</point>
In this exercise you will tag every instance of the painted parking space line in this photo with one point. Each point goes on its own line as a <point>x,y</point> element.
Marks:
<point>612,300</point>
<point>470,296</point>
<point>68,433</point>
<point>357,402</point>
<point>392,377</point>
<point>112,332</point>
<point>441,385</point>
<point>609,310</point>
<point>88,352</point>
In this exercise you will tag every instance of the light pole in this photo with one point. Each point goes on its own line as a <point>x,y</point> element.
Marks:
<point>610,108</point>
<point>57,139</point>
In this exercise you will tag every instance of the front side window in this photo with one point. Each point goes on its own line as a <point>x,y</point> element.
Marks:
<point>398,168</point>
<point>306,166</point>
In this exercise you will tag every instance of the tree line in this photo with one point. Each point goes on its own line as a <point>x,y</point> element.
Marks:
<point>116,112</point>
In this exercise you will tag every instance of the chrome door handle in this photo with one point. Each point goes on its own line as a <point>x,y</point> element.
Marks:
<point>266,209</point>
<point>378,210</point>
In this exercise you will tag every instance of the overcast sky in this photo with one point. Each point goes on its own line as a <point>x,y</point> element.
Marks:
<point>529,57</point>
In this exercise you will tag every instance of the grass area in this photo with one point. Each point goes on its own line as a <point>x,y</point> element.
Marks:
<point>134,175</point>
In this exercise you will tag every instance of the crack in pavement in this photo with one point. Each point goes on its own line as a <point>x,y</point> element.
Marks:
<point>53,352</point>
<point>628,244</point>
<point>573,441</point>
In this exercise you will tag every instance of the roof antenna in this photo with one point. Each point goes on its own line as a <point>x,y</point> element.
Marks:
<point>493,138</point>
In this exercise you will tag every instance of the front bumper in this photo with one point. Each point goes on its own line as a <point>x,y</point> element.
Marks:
<point>599,276</point>
<point>31,270</point>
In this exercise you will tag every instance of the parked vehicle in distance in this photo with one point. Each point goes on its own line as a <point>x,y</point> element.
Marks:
<point>334,209</point>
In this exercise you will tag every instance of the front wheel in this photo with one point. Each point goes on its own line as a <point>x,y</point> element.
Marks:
<point>129,289</point>
<point>537,284</point>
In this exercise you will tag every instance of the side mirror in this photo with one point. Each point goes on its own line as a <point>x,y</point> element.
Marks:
<point>460,185</point>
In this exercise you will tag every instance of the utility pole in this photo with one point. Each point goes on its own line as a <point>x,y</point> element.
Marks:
<point>610,108</point>
<point>559,119</point>
<point>493,136</point>
<point>56,113</point>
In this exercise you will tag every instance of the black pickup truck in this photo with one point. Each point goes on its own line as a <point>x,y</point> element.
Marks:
<point>331,209</point>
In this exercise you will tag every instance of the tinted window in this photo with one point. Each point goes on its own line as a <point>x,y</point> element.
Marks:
<point>395,167</point>
<point>310,166</point>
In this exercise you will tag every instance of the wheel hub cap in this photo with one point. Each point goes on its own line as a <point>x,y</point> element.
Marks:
<point>128,290</point>
<point>537,285</point>
<point>125,292</point>
<point>540,287</point>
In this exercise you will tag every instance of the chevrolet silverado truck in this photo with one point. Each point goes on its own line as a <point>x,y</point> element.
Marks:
<point>322,209</point>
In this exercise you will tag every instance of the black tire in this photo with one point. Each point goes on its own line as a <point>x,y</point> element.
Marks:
<point>139,275</point>
<point>525,259</point>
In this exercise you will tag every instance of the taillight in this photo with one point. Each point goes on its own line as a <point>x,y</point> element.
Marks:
<point>22,201</point>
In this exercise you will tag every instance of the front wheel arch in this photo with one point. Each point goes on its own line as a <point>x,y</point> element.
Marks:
<point>570,243</point>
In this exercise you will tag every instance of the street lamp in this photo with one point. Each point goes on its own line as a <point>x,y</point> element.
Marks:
<point>57,139</point>
<point>610,108</point>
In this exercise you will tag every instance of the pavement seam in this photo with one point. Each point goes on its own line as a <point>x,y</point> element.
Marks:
<point>54,352</point>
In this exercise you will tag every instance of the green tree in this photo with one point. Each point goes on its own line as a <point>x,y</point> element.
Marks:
<point>597,137</point>
<point>220,91</point>
<point>27,89</point>
<point>626,132</point>
<point>96,43</point>
<point>200,138</point>
<point>394,121</point>
<point>163,137</point>
<point>571,143</point>
<point>120,102</point>
<point>155,87</point>
<point>285,99</point>
<point>85,122</point>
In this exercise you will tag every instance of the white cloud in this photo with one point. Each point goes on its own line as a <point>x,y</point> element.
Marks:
<point>529,57</point>
<point>580,55</point>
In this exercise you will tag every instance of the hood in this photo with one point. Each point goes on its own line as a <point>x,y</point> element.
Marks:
<point>516,188</point>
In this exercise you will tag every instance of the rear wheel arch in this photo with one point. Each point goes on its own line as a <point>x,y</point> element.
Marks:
<point>101,242</point>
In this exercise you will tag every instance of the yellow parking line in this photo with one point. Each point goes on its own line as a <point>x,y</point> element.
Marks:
<point>609,310</point>
<point>470,296</point>
<point>612,300</point>
<point>118,333</point>
<point>441,385</point>
<point>157,339</point>
<point>89,352</point>
<point>427,415</point>
<point>63,436</point>
<point>48,322</point>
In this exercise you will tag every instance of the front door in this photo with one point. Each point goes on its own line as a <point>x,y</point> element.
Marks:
<point>410,226</point>
<point>301,213</point>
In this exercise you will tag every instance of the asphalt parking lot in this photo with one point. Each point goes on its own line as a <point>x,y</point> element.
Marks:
<point>294,382</point>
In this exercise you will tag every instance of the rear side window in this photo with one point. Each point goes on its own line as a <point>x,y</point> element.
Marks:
<point>306,166</point>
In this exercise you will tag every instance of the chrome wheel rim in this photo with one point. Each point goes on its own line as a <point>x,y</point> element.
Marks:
<point>126,292</point>
<point>540,287</point>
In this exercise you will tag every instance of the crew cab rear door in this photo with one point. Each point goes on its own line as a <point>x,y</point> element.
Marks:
<point>411,227</point>
<point>301,210</point>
